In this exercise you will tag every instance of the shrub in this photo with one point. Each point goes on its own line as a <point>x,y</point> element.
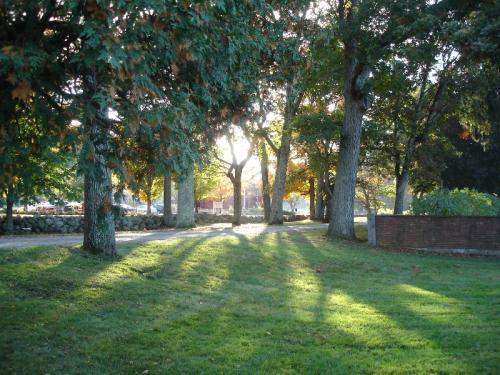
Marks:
<point>456,202</point>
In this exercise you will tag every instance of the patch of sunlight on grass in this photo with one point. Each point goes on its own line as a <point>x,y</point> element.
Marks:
<point>420,292</point>
<point>289,303</point>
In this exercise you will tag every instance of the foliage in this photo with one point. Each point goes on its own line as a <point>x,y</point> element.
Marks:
<point>456,202</point>
<point>296,180</point>
<point>372,186</point>
<point>35,161</point>
<point>317,133</point>
<point>239,304</point>
<point>208,182</point>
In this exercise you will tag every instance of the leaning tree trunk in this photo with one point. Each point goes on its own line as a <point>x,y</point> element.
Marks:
<point>320,207</point>
<point>311,198</point>
<point>293,98</point>
<point>99,225</point>
<point>185,200</point>
<point>9,217</point>
<point>355,105</point>
<point>236,180</point>
<point>167,199</point>
<point>276,214</point>
<point>264,171</point>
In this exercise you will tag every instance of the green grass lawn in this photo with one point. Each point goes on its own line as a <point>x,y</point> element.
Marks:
<point>279,303</point>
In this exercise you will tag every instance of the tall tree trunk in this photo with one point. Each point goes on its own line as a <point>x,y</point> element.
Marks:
<point>320,187</point>
<point>99,225</point>
<point>236,197</point>
<point>9,217</point>
<point>311,198</point>
<point>276,214</point>
<point>167,199</point>
<point>355,105</point>
<point>293,99</point>
<point>264,171</point>
<point>185,200</point>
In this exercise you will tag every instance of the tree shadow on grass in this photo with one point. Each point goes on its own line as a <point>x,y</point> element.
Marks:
<point>272,303</point>
<point>401,305</point>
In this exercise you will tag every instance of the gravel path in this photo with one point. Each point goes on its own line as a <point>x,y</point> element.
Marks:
<point>9,242</point>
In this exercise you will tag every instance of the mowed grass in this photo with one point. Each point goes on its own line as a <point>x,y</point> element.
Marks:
<point>279,303</point>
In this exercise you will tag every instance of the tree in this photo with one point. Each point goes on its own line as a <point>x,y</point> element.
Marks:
<point>297,183</point>
<point>185,200</point>
<point>141,172</point>
<point>294,28</point>
<point>234,171</point>
<point>167,199</point>
<point>206,179</point>
<point>317,134</point>
<point>371,187</point>
<point>363,48</point>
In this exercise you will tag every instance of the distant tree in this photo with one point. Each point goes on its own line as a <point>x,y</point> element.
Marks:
<point>371,187</point>
<point>317,135</point>
<point>206,179</point>
<point>234,171</point>
<point>141,174</point>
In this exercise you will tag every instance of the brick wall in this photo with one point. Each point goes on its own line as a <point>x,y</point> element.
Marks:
<point>466,232</point>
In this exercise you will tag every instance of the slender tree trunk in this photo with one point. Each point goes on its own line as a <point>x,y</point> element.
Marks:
<point>185,200</point>
<point>320,208</point>
<point>403,177</point>
<point>276,214</point>
<point>328,206</point>
<point>237,197</point>
<point>293,99</point>
<point>9,217</point>
<point>355,105</point>
<point>311,198</point>
<point>264,171</point>
<point>148,202</point>
<point>99,225</point>
<point>167,199</point>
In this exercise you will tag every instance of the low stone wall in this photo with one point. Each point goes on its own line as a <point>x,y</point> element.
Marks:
<point>431,232</point>
<point>74,223</point>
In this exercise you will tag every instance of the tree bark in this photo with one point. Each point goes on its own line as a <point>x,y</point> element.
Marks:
<point>99,225</point>
<point>311,198</point>
<point>167,200</point>
<point>264,171</point>
<point>9,217</point>
<point>292,102</point>
<point>185,200</point>
<point>276,214</point>
<point>148,203</point>
<point>355,105</point>
<point>328,210</point>
<point>236,180</point>
<point>320,208</point>
<point>403,176</point>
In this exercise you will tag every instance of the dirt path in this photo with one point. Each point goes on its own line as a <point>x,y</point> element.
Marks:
<point>9,242</point>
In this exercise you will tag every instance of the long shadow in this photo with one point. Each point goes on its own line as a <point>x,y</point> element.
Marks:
<point>389,297</point>
<point>209,306</point>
